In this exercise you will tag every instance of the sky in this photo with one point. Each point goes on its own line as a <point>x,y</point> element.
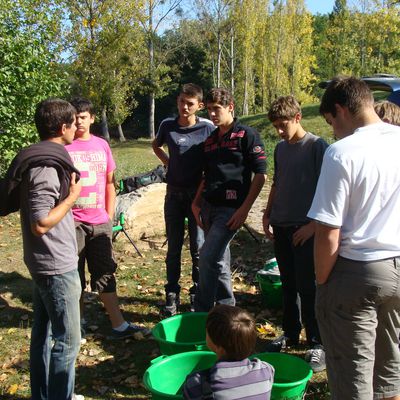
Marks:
<point>320,6</point>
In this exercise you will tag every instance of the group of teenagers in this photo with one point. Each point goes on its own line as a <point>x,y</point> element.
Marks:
<point>332,216</point>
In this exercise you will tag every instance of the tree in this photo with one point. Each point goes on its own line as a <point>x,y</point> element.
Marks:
<point>214,15</point>
<point>107,62</point>
<point>29,70</point>
<point>157,12</point>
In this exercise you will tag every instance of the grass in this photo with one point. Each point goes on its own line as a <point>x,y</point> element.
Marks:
<point>113,370</point>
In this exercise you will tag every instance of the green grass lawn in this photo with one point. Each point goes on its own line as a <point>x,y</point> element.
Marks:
<point>108,369</point>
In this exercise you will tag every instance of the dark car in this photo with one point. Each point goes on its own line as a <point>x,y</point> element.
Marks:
<point>380,82</point>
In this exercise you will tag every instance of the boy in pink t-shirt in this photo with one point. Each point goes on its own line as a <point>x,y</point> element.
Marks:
<point>94,213</point>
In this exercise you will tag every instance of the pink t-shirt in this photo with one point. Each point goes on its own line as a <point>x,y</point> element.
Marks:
<point>94,160</point>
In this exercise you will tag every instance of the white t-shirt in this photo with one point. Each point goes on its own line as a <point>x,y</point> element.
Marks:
<point>359,191</point>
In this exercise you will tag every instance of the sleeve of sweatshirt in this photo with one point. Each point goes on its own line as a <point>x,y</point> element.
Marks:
<point>44,191</point>
<point>255,152</point>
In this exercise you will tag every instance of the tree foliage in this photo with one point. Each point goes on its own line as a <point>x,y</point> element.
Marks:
<point>118,51</point>
<point>29,73</point>
<point>106,51</point>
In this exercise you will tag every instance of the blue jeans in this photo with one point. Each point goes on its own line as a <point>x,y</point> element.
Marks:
<point>177,207</point>
<point>296,266</point>
<point>56,335</point>
<point>215,285</point>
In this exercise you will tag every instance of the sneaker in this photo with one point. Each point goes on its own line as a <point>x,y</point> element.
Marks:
<point>171,305</point>
<point>316,358</point>
<point>77,397</point>
<point>281,342</point>
<point>130,332</point>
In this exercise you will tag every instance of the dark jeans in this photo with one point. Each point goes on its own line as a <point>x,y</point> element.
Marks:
<point>296,266</point>
<point>177,207</point>
<point>215,285</point>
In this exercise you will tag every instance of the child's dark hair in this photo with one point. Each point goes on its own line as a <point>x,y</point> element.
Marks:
<point>348,92</point>
<point>82,105</point>
<point>388,112</point>
<point>233,329</point>
<point>192,90</point>
<point>284,107</point>
<point>221,96</point>
<point>51,115</point>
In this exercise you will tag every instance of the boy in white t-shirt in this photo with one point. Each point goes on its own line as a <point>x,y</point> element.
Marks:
<point>357,246</point>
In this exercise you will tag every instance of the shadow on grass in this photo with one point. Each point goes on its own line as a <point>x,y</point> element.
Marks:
<point>14,288</point>
<point>119,376</point>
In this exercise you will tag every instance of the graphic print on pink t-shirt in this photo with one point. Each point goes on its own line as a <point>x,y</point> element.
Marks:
<point>94,160</point>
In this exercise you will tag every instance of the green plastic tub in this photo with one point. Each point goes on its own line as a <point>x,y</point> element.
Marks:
<point>270,284</point>
<point>291,375</point>
<point>270,290</point>
<point>167,374</point>
<point>180,333</point>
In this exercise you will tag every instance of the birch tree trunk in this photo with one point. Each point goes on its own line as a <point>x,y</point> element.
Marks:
<point>104,124</point>
<point>121,135</point>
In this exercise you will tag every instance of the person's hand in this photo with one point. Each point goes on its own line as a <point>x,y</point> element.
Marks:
<point>267,228</point>
<point>74,188</point>
<point>196,213</point>
<point>237,219</point>
<point>303,234</point>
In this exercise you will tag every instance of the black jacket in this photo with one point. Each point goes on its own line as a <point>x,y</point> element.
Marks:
<point>44,154</point>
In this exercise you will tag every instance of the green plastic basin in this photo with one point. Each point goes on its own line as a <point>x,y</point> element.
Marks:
<point>180,333</point>
<point>167,374</point>
<point>271,291</point>
<point>291,375</point>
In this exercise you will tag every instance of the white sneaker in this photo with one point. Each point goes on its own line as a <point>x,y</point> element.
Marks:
<point>77,397</point>
<point>316,359</point>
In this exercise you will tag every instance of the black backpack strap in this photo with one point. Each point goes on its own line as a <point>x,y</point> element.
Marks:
<point>206,391</point>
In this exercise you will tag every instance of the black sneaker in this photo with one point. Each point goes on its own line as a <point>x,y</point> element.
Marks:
<point>130,331</point>
<point>316,358</point>
<point>171,305</point>
<point>281,342</point>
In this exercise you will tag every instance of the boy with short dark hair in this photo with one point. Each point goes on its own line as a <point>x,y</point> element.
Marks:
<point>94,215</point>
<point>231,334</point>
<point>388,112</point>
<point>234,167</point>
<point>44,184</point>
<point>297,160</point>
<point>184,137</point>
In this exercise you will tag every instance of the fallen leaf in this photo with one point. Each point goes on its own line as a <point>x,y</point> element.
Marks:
<point>12,389</point>
<point>266,329</point>
<point>94,352</point>
<point>106,358</point>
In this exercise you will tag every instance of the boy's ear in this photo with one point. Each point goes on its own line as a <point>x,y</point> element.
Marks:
<point>201,105</point>
<point>231,107</point>
<point>297,117</point>
<point>62,130</point>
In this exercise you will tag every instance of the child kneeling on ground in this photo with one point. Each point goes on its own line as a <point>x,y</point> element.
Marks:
<point>231,334</point>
